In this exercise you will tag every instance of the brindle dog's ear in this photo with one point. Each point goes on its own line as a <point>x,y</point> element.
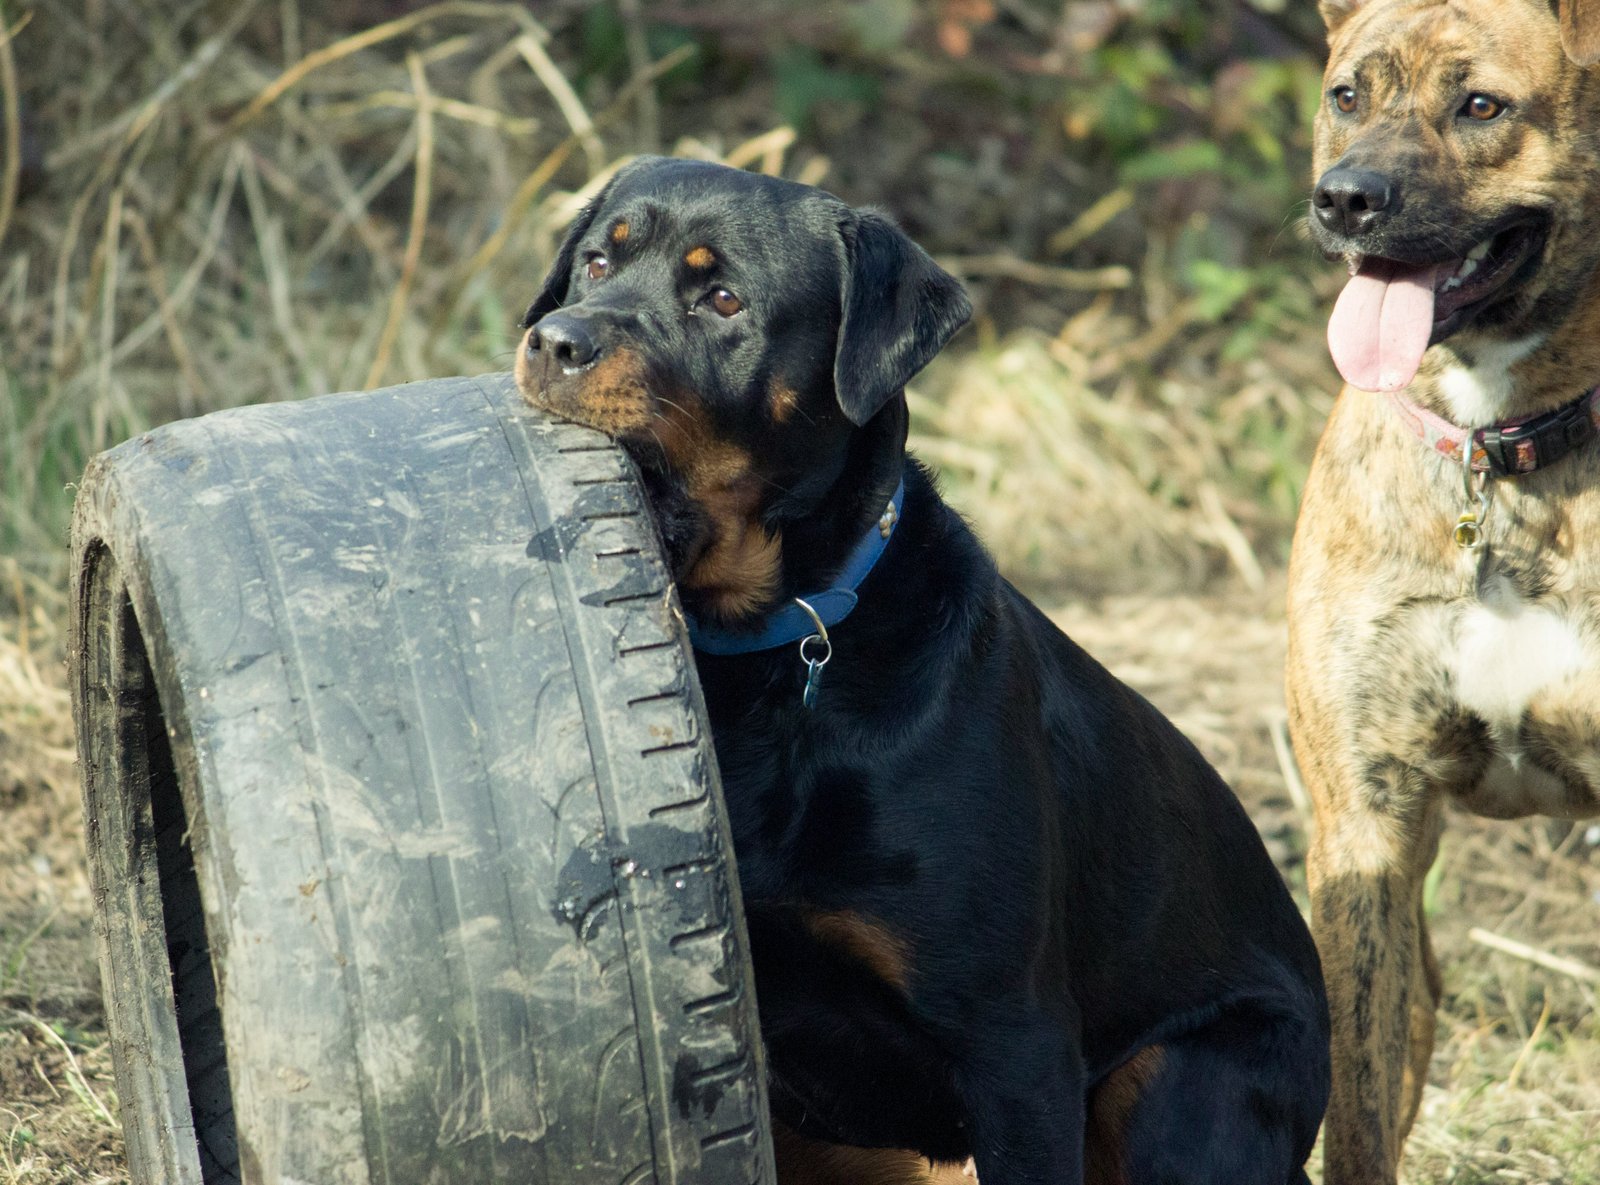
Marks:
<point>1336,12</point>
<point>898,307</point>
<point>1580,30</point>
<point>554,293</point>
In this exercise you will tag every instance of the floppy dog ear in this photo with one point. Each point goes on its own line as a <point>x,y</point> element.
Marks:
<point>554,293</point>
<point>1580,30</point>
<point>899,308</point>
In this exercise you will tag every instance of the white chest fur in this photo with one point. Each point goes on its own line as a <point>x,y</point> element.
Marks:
<point>1482,394</point>
<point>1509,652</point>
<point>1506,652</point>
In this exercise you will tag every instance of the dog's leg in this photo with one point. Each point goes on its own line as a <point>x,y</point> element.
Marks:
<point>1427,987</point>
<point>1366,869</point>
<point>1023,1084</point>
<point>1236,1102</point>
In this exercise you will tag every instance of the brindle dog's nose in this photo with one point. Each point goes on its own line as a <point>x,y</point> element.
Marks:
<point>564,340</point>
<point>1354,201</point>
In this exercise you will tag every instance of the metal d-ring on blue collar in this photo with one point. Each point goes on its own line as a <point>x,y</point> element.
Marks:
<point>807,620</point>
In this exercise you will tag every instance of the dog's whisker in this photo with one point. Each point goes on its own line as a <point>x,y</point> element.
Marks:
<point>767,481</point>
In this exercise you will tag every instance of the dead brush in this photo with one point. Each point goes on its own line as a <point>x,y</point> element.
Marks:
<point>229,217</point>
<point>1087,468</point>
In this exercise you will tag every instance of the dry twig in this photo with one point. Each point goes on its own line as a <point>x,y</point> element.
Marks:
<point>1091,222</point>
<point>531,187</point>
<point>1539,958</point>
<point>1011,267</point>
<point>1278,731</point>
<point>566,98</point>
<point>11,179</point>
<point>420,195</point>
<point>357,42</point>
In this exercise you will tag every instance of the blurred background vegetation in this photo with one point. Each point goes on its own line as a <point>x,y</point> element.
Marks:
<point>211,203</point>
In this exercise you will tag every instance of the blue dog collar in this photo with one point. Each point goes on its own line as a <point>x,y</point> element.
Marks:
<point>793,622</point>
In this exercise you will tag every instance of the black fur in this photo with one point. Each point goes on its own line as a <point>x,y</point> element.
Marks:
<point>1054,877</point>
<point>899,310</point>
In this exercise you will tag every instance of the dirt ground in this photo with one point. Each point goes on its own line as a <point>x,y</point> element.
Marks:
<point>1516,1078</point>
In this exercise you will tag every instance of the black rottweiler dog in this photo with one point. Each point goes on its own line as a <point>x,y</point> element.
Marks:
<point>998,905</point>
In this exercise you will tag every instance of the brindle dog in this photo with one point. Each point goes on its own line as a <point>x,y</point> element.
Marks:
<point>1444,624</point>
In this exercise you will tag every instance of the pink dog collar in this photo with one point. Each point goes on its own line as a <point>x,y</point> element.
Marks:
<point>1511,448</point>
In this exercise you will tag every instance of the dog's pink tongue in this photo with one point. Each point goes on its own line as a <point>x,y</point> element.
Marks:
<point>1381,325</point>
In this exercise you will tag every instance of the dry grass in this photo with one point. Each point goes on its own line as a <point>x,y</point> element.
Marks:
<point>241,204</point>
<point>56,1103</point>
<point>227,220</point>
<point>1087,473</point>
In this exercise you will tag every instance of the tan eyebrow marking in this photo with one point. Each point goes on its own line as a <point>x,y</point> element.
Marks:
<point>783,400</point>
<point>619,232</point>
<point>700,257</point>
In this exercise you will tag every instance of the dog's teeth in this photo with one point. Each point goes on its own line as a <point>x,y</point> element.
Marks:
<point>1479,251</point>
<point>1468,266</point>
<point>1452,282</point>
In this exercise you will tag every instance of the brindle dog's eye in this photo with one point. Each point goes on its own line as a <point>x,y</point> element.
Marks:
<point>1482,107</point>
<point>725,302</point>
<point>1345,98</point>
<point>599,266</point>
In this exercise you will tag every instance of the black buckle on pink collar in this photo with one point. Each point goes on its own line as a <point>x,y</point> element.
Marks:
<point>1511,449</point>
<point>1535,443</point>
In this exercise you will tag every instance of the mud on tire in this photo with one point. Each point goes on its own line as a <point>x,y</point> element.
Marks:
<point>404,827</point>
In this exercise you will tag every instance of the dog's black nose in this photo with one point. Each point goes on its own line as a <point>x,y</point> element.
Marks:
<point>1354,201</point>
<point>563,339</point>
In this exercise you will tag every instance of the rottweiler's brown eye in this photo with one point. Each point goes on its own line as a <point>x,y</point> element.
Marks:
<point>598,267</point>
<point>725,302</point>
<point>1345,98</point>
<point>1482,107</point>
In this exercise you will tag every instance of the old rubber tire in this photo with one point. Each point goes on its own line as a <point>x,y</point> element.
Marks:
<point>403,822</point>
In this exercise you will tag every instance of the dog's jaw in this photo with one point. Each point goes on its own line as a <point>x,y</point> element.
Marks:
<point>1483,393</point>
